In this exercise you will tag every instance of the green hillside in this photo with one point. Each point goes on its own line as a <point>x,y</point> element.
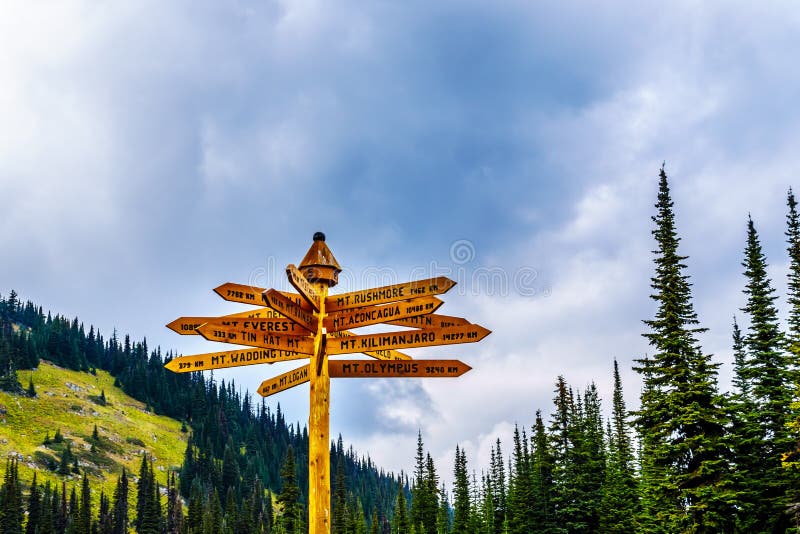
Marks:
<point>72,402</point>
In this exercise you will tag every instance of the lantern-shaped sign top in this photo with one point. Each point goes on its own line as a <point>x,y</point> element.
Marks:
<point>319,264</point>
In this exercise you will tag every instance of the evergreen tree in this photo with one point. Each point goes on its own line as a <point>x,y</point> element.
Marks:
<point>461,494</point>
<point>497,485</point>
<point>67,458</point>
<point>73,513</point>
<point>339,497</point>
<point>401,520</point>
<point>119,513</point>
<point>230,467</point>
<point>431,509</point>
<point>791,458</point>
<point>443,513</point>
<point>105,521</point>
<point>766,368</point>
<point>420,500</point>
<point>374,525</point>
<point>145,489</point>
<point>83,521</point>
<point>289,499</point>
<point>174,523</point>
<point>34,523</point>
<point>11,509</point>
<point>194,517</point>
<point>681,419</point>
<point>793,293</point>
<point>544,513</point>
<point>619,507</point>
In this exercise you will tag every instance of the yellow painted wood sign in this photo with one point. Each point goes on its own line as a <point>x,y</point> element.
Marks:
<point>357,317</point>
<point>412,369</point>
<point>470,333</point>
<point>231,358</point>
<point>393,293</point>
<point>303,286</point>
<point>293,378</point>
<point>267,340</point>
<point>285,306</point>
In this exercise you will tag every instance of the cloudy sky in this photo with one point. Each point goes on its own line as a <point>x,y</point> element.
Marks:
<point>150,151</point>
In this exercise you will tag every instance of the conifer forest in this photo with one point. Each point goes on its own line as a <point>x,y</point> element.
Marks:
<point>691,456</point>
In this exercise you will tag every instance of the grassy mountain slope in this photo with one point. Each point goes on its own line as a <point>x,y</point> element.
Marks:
<point>71,401</point>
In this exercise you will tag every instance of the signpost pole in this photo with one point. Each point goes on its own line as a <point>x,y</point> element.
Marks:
<point>321,269</point>
<point>319,461</point>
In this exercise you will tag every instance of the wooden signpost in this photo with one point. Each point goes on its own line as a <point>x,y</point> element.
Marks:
<point>312,325</point>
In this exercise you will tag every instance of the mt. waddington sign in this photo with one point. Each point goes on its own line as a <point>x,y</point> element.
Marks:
<point>312,325</point>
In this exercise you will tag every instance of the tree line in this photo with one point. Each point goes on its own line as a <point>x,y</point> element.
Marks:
<point>690,458</point>
<point>237,447</point>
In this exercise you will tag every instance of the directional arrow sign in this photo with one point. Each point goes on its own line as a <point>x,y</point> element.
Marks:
<point>186,325</point>
<point>430,321</point>
<point>246,324</point>
<point>384,354</point>
<point>368,315</point>
<point>230,358</point>
<point>252,295</point>
<point>283,305</point>
<point>409,339</point>
<point>414,369</point>
<point>386,294</point>
<point>303,286</point>
<point>266,340</point>
<point>284,381</point>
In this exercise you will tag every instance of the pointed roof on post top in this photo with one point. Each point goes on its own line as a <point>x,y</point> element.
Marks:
<point>319,264</point>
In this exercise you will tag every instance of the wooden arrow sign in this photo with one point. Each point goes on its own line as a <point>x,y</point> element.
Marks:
<point>246,324</point>
<point>186,325</point>
<point>230,358</point>
<point>240,293</point>
<point>357,317</point>
<point>409,339</point>
<point>252,295</point>
<point>386,294</point>
<point>383,354</point>
<point>283,382</point>
<point>430,321</point>
<point>266,340</point>
<point>303,286</point>
<point>414,369</point>
<point>283,305</point>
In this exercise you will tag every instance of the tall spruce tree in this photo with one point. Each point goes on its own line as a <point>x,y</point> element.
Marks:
<point>289,498</point>
<point>745,439</point>
<point>34,522</point>
<point>544,513</point>
<point>793,293</point>
<point>339,507</point>
<point>791,459</point>
<point>83,522</point>
<point>619,506</point>
<point>424,492</point>
<point>461,504</point>
<point>119,507</point>
<point>766,368</point>
<point>681,420</point>
<point>401,520</point>
<point>11,508</point>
